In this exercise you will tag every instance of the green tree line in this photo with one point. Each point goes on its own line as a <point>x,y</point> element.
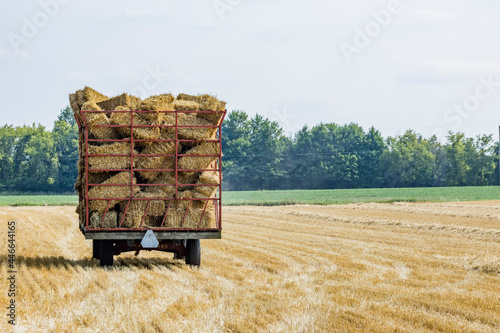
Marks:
<point>258,155</point>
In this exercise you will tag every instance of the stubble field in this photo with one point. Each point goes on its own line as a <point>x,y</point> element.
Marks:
<point>402,267</point>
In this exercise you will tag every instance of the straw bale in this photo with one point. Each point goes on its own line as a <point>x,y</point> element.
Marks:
<point>156,207</point>
<point>207,103</point>
<point>167,133</point>
<point>79,207</point>
<point>123,100</point>
<point>197,162</point>
<point>79,180</point>
<point>81,139</point>
<point>156,103</point>
<point>177,211</point>
<point>134,217</point>
<point>158,162</point>
<point>137,208</point>
<point>144,133</point>
<point>94,178</point>
<point>187,97</point>
<point>93,119</point>
<point>111,191</point>
<point>187,178</point>
<point>194,133</point>
<point>81,213</point>
<point>74,104</point>
<point>174,216</point>
<point>188,119</point>
<point>207,178</point>
<point>181,105</point>
<point>192,215</point>
<point>154,221</point>
<point>207,219</point>
<point>99,177</point>
<point>88,94</point>
<point>80,97</point>
<point>210,103</point>
<point>110,162</point>
<point>110,220</point>
<point>167,191</point>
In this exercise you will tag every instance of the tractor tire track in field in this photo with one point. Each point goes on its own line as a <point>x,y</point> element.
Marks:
<point>361,267</point>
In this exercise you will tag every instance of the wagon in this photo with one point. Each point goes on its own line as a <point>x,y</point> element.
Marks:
<point>181,239</point>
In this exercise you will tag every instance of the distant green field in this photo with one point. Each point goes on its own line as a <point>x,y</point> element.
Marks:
<point>328,197</point>
<point>38,200</point>
<point>317,197</point>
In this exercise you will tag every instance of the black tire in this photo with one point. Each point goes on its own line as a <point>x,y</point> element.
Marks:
<point>193,251</point>
<point>96,249</point>
<point>106,253</point>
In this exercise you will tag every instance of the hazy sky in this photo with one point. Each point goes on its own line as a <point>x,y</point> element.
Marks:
<point>428,65</point>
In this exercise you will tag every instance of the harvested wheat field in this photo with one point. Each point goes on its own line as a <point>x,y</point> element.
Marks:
<point>347,268</point>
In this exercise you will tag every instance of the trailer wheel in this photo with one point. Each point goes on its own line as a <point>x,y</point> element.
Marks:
<point>96,249</point>
<point>193,250</point>
<point>106,255</point>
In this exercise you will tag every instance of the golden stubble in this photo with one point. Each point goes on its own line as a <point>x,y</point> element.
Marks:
<point>345,268</point>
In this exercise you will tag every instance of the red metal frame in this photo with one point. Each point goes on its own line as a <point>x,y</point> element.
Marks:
<point>217,166</point>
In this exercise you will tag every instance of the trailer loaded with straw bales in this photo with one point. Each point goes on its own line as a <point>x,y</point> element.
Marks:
<point>149,172</point>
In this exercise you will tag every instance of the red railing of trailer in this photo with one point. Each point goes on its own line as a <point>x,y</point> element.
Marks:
<point>217,166</point>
